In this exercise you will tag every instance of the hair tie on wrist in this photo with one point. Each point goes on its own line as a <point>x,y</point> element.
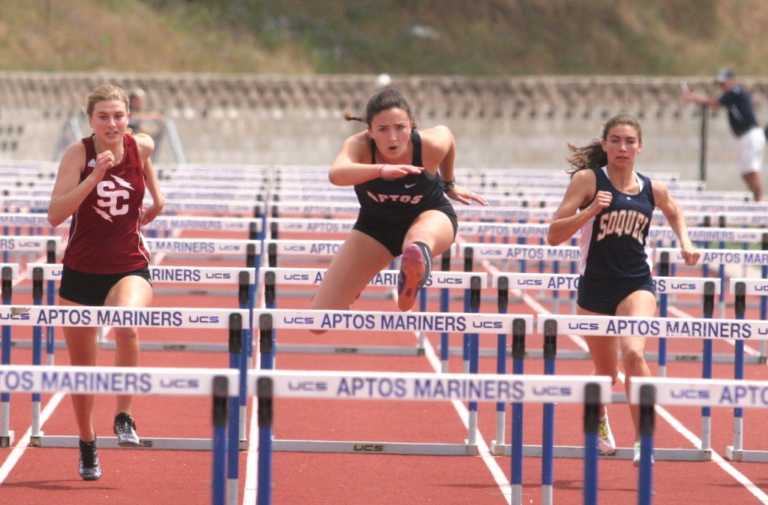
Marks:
<point>449,185</point>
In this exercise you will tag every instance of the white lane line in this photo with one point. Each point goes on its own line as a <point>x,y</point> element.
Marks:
<point>250,486</point>
<point>716,457</point>
<point>482,447</point>
<point>23,443</point>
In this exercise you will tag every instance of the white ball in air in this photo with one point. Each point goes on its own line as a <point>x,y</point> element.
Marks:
<point>383,80</point>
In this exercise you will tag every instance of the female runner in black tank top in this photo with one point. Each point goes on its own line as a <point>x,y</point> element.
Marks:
<point>583,202</point>
<point>399,177</point>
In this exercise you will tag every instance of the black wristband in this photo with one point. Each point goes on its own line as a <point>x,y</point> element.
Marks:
<point>449,185</point>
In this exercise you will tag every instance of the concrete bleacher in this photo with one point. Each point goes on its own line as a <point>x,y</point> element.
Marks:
<point>501,121</point>
<point>437,96</point>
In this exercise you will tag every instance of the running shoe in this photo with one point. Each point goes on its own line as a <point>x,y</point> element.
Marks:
<point>606,444</point>
<point>90,467</point>
<point>636,455</point>
<point>413,274</point>
<point>125,429</point>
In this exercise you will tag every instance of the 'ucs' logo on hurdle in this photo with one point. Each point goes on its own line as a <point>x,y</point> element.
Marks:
<point>296,277</point>
<point>552,391</point>
<point>299,320</point>
<point>583,326</point>
<point>16,315</point>
<point>689,394</point>
<point>683,286</point>
<point>368,447</point>
<point>307,386</point>
<point>203,319</point>
<point>180,383</point>
<point>453,281</point>
<point>487,325</point>
<point>217,275</point>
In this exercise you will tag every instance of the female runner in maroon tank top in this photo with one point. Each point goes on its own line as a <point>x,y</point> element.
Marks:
<point>100,185</point>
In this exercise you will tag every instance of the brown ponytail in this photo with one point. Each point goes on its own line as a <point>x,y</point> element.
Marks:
<point>592,155</point>
<point>349,117</point>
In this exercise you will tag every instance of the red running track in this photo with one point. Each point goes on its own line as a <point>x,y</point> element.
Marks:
<point>44,476</point>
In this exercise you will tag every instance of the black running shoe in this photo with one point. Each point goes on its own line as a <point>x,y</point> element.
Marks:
<point>125,429</point>
<point>90,468</point>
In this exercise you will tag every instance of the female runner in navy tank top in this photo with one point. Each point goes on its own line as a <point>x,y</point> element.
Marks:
<point>100,184</point>
<point>612,205</point>
<point>400,176</point>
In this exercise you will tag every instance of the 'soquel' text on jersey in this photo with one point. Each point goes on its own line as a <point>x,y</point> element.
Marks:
<point>623,222</point>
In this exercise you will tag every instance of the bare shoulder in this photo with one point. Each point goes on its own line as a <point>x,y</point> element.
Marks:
<point>584,178</point>
<point>357,146</point>
<point>74,156</point>
<point>438,137</point>
<point>582,187</point>
<point>660,190</point>
<point>145,143</point>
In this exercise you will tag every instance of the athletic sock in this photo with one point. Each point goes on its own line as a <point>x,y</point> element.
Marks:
<point>426,252</point>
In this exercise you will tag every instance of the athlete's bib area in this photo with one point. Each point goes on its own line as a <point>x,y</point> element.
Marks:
<point>240,379</point>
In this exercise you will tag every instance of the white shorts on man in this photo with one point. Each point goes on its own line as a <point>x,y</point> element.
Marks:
<point>751,147</point>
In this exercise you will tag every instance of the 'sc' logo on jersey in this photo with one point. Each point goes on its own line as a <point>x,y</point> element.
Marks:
<point>113,198</point>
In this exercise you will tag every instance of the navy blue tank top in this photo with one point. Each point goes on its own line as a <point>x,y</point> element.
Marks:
<point>404,197</point>
<point>613,242</point>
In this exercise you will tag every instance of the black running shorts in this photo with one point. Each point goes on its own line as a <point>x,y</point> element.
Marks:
<point>603,296</point>
<point>391,234</point>
<point>92,289</point>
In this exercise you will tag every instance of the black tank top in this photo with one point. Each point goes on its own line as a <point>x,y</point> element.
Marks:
<point>404,197</point>
<point>613,242</point>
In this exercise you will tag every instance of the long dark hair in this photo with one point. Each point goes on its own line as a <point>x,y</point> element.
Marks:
<point>387,98</point>
<point>592,154</point>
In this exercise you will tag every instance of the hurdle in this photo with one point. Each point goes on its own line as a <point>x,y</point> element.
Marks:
<point>313,248</point>
<point>670,285</point>
<point>504,281</point>
<point>242,279</point>
<point>46,247</point>
<point>648,392</point>
<point>741,288</point>
<point>723,257</point>
<point>271,320</point>
<point>255,209</point>
<point>23,244</point>
<point>613,326</point>
<point>10,271</point>
<point>233,320</point>
<point>267,385</point>
<point>275,276</point>
<point>217,383</point>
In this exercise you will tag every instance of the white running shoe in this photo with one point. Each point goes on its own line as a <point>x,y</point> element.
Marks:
<point>606,444</point>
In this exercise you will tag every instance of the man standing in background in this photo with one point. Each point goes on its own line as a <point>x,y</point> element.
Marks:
<point>741,118</point>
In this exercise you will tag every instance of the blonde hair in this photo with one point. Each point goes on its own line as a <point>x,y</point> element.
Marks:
<point>103,93</point>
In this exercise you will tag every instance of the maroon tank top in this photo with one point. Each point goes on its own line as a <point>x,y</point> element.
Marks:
<point>104,236</point>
